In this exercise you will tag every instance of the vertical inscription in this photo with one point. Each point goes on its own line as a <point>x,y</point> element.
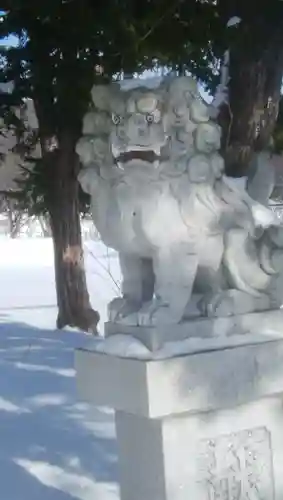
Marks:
<point>237,466</point>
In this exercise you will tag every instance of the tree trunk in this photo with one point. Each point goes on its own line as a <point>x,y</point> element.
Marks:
<point>59,129</point>
<point>256,63</point>
<point>14,218</point>
<point>63,204</point>
<point>10,217</point>
<point>45,226</point>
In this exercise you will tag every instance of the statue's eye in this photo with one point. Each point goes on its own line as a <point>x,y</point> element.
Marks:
<point>149,118</point>
<point>116,119</point>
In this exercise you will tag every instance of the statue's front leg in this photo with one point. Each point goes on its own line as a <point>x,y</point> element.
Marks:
<point>137,287</point>
<point>175,272</point>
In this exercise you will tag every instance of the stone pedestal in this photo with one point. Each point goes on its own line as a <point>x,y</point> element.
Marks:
<point>199,426</point>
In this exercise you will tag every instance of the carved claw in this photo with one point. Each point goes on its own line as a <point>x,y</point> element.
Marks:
<point>232,302</point>
<point>217,305</point>
<point>120,309</point>
<point>165,316</point>
<point>145,314</point>
<point>157,314</point>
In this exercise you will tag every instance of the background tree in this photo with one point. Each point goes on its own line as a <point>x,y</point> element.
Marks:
<point>256,67</point>
<point>195,39</point>
<point>44,67</point>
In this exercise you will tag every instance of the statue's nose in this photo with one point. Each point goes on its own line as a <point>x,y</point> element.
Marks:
<point>142,132</point>
<point>210,141</point>
<point>179,111</point>
<point>139,120</point>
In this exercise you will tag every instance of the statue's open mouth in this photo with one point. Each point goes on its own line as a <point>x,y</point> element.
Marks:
<point>150,156</point>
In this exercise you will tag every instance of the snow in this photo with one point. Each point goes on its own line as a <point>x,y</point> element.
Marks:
<point>29,261</point>
<point>233,21</point>
<point>124,346</point>
<point>52,445</point>
<point>152,82</point>
<point>220,98</point>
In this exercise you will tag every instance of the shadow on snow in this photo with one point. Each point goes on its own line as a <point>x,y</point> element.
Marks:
<point>52,445</point>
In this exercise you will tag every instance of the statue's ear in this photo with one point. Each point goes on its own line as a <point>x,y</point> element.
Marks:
<point>219,130</point>
<point>88,123</point>
<point>194,134</point>
<point>163,87</point>
<point>101,97</point>
<point>86,178</point>
<point>199,111</point>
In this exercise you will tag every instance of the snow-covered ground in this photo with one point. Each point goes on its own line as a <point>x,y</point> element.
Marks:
<point>27,274</point>
<point>52,446</point>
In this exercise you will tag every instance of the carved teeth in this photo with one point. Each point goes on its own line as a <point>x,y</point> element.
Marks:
<point>120,166</point>
<point>130,149</point>
<point>115,152</point>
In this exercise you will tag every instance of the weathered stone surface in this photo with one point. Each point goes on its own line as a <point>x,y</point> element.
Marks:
<point>206,425</point>
<point>237,465</point>
<point>197,382</point>
<point>199,414</point>
<point>159,197</point>
<point>230,330</point>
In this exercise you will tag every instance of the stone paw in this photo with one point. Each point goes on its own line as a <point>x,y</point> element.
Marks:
<point>120,309</point>
<point>217,305</point>
<point>157,314</point>
<point>146,313</point>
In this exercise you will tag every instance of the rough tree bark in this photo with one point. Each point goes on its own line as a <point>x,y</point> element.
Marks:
<point>74,308</point>
<point>256,66</point>
<point>60,169</point>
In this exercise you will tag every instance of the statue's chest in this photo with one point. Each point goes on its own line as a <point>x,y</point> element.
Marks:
<point>126,198</point>
<point>133,198</point>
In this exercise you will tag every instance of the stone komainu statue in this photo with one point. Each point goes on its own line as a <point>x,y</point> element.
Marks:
<point>190,242</point>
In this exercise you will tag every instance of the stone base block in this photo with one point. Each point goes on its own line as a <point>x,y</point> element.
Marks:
<point>200,382</point>
<point>234,454</point>
<point>252,326</point>
<point>201,426</point>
